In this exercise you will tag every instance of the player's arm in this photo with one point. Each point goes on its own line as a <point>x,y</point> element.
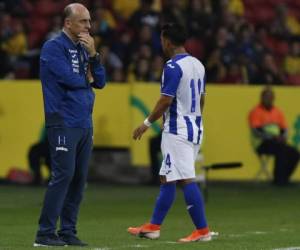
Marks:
<point>161,106</point>
<point>172,75</point>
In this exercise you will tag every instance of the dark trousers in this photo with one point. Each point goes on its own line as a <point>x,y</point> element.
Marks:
<point>286,159</point>
<point>70,150</point>
<point>38,154</point>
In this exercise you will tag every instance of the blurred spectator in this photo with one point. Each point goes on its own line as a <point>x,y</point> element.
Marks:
<point>269,72</point>
<point>156,67</point>
<point>141,71</point>
<point>245,42</point>
<point>56,25</point>
<point>233,74</point>
<point>215,69</point>
<point>146,35</point>
<point>236,7</point>
<point>104,24</point>
<point>292,61</point>
<point>269,131</point>
<point>284,25</point>
<point>224,41</point>
<point>174,11</point>
<point>125,8</point>
<point>110,60</point>
<point>117,75</point>
<point>122,45</point>
<point>6,32</point>
<point>200,19</point>
<point>222,33</point>
<point>16,44</point>
<point>144,15</point>
<point>292,64</point>
<point>143,51</point>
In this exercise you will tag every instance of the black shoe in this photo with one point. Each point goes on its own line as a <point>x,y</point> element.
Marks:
<point>49,240</point>
<point>72,240</point>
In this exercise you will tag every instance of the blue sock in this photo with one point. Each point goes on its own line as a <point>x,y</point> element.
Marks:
<point>195,204</point>
<point>163,203</point>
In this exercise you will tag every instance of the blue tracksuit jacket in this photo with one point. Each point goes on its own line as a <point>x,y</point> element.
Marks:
<point>68,97</point>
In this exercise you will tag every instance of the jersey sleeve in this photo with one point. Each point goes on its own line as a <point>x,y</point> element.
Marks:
<point>171,77</point>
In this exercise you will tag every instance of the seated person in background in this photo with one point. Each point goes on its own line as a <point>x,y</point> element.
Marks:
<point>269,130</point>
<point>38,155</point>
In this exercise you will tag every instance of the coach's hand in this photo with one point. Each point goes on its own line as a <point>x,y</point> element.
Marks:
<point>139,131</point>
<point>88,42</point>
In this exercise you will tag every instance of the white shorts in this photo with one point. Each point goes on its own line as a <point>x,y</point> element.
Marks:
<point>179,156</point>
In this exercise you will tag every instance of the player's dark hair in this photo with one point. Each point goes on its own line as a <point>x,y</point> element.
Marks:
<point>175,33</point>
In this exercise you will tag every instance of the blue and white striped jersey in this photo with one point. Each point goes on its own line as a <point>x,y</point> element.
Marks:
<point>184,79</point>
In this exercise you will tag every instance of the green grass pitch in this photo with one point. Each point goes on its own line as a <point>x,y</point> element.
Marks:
<point>246,217</point>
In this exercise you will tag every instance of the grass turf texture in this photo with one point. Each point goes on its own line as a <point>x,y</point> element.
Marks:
<point>246,216</point>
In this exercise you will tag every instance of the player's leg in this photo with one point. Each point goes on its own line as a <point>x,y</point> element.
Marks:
<point>168,182</point>
<point>163,203</point>
<point>74,196</point>
<point>166,195</point>
<point>193,197</point>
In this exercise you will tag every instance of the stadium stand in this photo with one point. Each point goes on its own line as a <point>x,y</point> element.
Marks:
<point>234,38</point>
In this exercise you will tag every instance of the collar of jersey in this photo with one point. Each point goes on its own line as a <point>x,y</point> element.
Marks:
<point>179,56</point>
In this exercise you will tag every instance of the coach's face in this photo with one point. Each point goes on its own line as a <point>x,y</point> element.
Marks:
<point>78,22</point>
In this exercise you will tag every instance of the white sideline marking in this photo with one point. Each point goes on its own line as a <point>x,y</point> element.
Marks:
<point>287,248</point>
<point>101,248</point>
<point>236,235</point>
<point>170,242</point>
<point>139,246</point>
<point>258,232</point>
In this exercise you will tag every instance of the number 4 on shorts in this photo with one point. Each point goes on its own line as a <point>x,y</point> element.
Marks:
<point>168,161</point>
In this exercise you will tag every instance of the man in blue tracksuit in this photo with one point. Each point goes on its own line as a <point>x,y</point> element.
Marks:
<point>69,69</point>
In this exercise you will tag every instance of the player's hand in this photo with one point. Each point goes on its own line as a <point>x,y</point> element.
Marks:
<point>139,131</point>
<point>88,42</point>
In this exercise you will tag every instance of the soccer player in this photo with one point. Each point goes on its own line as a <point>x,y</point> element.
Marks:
<point>69,69</point>
<point>181,104</point>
